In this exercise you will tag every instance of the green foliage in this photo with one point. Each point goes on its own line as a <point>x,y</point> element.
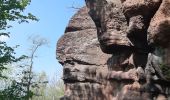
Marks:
<point>165,71</point>
<point>40,89</point>
<point>29,85</point>
<point>60,89</point>
<point>7,57</point>
<point>15,91</point>
<point>12,10</point>
<point>56,90</point>
<point>53,91</point>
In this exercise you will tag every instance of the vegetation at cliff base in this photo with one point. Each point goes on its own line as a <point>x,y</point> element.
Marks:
<point>18,80</point>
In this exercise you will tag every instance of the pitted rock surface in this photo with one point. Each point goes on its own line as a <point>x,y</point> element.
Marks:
<point>117,50</point>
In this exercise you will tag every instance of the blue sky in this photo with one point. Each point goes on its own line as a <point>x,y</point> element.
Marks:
<point>54,16</point>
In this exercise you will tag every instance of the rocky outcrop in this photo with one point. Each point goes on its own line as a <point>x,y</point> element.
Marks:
<point>110,23</point>
<point>159,29</point>
<point>117,50</point>
<point>79,52</point>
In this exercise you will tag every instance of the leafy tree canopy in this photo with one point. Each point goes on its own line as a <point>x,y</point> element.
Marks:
<point>11,10</point>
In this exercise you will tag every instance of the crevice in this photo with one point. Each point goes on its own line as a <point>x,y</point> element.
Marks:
<point>77,81</point>
<point>72,61</point>
<point>72,29</point>
<point>83,62</point>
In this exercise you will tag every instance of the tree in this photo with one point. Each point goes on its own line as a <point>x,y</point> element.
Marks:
<point>37,42</point>
<point>23,88</point>
<point>7,57</point>
<point>54,90</point>
<point>40,91</point>
<point>11,10</point>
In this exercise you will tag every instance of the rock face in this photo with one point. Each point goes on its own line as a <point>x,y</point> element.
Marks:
<point>111,25</point>
<point>160,25</point>
<point>117,50</point>
<point>79,52</point>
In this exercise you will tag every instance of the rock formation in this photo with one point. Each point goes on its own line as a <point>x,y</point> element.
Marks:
<point>117,50</point>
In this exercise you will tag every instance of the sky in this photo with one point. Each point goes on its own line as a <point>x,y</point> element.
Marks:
<point>54,16</point>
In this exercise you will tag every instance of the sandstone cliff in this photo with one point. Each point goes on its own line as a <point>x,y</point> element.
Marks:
<point>117,50</point>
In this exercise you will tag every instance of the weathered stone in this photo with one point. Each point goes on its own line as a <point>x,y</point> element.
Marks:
<point>85,64</point>
<point>79,51</point>
<point>159,30</point>
<point>139,14</point>
<point>146,8</point>
<point>78,23</point>
<point>133,68</point>
<point>110,23</point>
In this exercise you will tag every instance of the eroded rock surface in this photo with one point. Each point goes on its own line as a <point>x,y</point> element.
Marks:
<point>110,23</point>
<point>160,25</point>
<point>117,50</point>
